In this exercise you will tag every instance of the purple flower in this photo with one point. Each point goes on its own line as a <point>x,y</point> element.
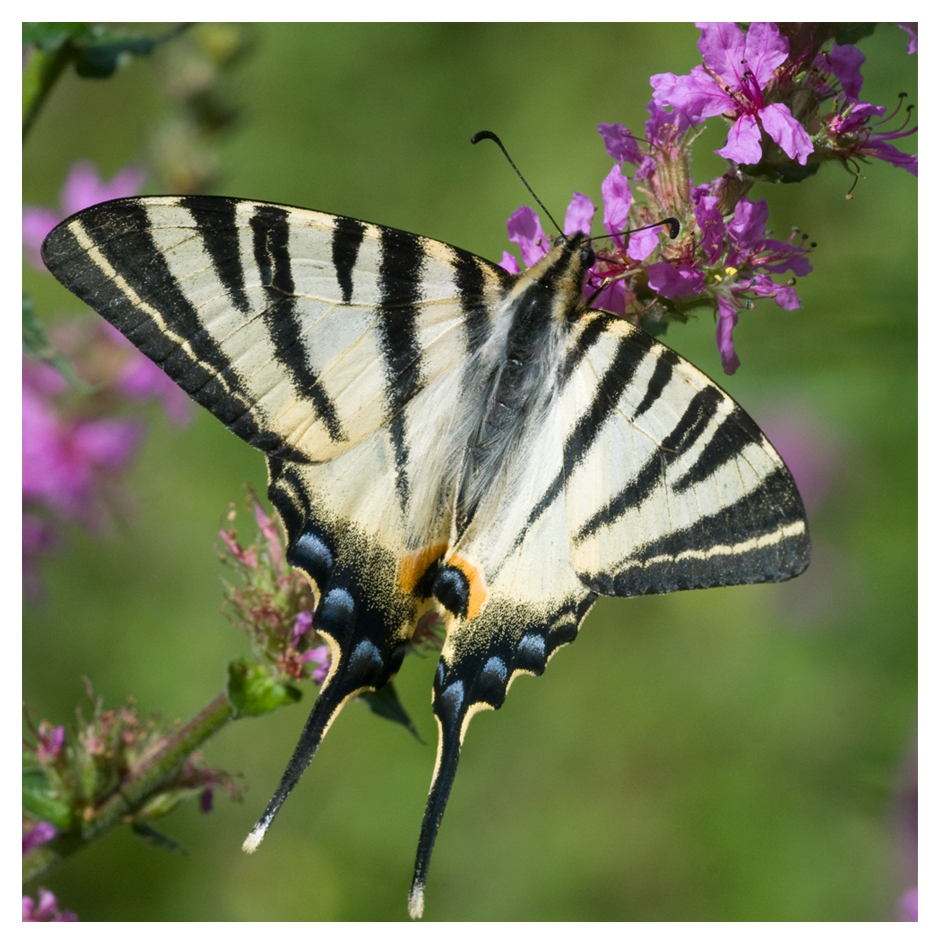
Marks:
<point>41,833</point>
<point>47,909</point>
<point>727,321</point>
<point>302,624</point>
<point>526,231</point>
<point>321,656</point>
<point>620,143</point>
<point>850,129</point>
<point>69,464</point>
<point>851,134</point>
<point>676,280</point>
<point>911,30</point>
<point>51,741</point>
<point>579,215</point>
<point>738,68</point>
<point>83,188</point>
<point>740,259</point>
<point>510,263</point>
<point>845,62</point>
<point>64,458</point>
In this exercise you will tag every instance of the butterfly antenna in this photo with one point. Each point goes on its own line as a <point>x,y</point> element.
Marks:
<point>671,225</point>
<point>489,135</point>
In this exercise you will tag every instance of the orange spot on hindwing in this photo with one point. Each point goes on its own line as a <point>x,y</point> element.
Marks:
<point>415,566</point>
<point>456,582</point>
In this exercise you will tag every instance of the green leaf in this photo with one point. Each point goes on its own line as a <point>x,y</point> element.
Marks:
<point>50,36</point>
<point>97,50</point>
<point>850,33</point>
<point>39,802</point>
<point>253,690</point>
<point>156,839</point>
<point>386,704</point>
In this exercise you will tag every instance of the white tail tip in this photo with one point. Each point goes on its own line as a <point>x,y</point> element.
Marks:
<point>254,839</point>
<point>416,902</point>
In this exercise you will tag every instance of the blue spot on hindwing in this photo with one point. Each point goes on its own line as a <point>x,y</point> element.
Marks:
<point>530,654</point>
<point>312,554</point>
<point>491,683</point>
<point>452,589</point>
<point>495,667</point>
<point>450,700</point>
<point>365,652</point>
<point>335,614</point>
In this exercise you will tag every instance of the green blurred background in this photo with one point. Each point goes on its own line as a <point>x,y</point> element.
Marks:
<point>721,755</point>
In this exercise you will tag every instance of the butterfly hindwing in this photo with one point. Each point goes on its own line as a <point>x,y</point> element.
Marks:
<point>440,437</point>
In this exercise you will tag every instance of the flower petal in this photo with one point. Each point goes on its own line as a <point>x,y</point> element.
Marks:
<point>846,63</point>
<point>617,199</point>
<point>580,214</point>
<point>743,144</point>
<point>620,143</point>
<point>526,231</point>
<point>723,48</point>
<point>764,50</point>
<point>787,131</point>
<point>727,321</point>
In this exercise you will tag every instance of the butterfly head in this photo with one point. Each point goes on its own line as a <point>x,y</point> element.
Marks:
<point>564,268</point>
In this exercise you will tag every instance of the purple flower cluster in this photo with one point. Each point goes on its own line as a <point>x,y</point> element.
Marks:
<point>69,463</point>
<point>273,603</point>
<point>74,448</point>
<point>45,909</point>
<point>789,106</point>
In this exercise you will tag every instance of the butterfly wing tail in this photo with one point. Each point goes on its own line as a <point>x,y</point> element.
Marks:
<point>335,694</point>
<point>448,753</point>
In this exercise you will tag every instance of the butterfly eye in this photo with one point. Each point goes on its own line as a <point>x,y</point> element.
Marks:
<point>588,257</point>
<point>559,240</point>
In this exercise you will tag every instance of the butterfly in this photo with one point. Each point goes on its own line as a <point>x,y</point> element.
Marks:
<point>441,436</point>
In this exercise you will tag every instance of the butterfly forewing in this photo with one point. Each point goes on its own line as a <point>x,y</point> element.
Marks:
<point>303,332</point>
<point>441,436</point>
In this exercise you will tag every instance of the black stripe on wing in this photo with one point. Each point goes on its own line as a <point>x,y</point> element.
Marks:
<point>695,421</point>
<point>771,544</point>
<point>470,277</point>
<point>283,316</point>
<point>400,274</point>
<point>217,223</point>
<point>347,239</point>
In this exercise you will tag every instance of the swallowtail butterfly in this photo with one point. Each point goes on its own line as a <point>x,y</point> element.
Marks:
<point>440,435</point>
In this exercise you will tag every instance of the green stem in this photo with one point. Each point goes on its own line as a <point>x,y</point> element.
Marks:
<point>147,779</point>
<point>40,73</point>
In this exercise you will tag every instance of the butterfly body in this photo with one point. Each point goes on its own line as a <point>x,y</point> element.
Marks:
<point>440,435</point>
